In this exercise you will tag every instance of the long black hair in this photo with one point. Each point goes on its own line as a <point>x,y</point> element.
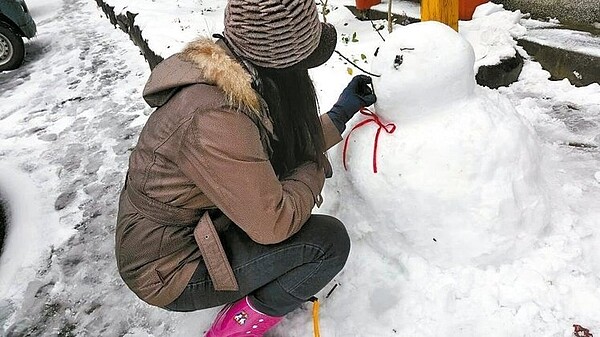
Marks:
<point>292,101</point>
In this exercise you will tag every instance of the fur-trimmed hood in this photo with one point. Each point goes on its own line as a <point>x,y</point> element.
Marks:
<point>202,61</point>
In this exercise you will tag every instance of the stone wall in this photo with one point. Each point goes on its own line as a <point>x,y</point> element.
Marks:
<point>567,11</point>
<point>127,24</point>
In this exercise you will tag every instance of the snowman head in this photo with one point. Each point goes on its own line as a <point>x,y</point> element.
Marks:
<point>425,67</point>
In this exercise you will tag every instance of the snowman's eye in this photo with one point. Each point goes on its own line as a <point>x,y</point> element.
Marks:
<point>398,61</point>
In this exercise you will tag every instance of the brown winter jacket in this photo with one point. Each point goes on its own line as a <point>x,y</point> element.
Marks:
<point>203,152</point>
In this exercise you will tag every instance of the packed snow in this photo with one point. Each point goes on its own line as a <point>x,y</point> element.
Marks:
<point>492,33</point>
<point>70,116</point>
<point>459,179</point>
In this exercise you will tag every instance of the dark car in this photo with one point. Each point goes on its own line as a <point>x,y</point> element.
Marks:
<point>15,23</point>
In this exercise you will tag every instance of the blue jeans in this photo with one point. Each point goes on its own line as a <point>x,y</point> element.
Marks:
<point>278,278</point>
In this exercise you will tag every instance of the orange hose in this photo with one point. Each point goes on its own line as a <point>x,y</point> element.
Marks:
<point>316,317</point>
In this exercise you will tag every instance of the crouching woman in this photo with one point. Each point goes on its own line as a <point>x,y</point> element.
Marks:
<point>217,204</point>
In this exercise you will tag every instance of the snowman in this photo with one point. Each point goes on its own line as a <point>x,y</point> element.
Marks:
<point>446,169</point>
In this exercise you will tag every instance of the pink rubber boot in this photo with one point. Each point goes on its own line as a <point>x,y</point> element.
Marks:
<point>241,319</point>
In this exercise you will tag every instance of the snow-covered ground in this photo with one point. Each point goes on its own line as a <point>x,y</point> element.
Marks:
<point>72,113</point>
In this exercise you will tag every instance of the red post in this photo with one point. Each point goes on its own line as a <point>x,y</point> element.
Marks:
<point>467,7</point>
<point>366,4</point>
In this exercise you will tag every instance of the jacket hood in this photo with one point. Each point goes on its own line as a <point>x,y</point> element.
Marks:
<point>202,61</point>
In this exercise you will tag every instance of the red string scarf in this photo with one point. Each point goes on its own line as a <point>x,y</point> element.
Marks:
<point>373,118</point>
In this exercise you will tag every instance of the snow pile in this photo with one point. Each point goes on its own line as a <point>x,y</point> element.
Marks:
<point>492,33</point>
<point>458,180</point>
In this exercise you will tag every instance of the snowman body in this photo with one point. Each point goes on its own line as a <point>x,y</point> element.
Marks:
<point>458,180</point>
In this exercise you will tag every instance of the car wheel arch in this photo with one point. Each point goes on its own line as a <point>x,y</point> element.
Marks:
<point>6,22</point>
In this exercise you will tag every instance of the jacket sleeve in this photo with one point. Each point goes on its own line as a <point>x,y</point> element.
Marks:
<point>331,134</point>
<point>222,153</point>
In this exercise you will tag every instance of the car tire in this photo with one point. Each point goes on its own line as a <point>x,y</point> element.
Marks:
<point>12,49</point>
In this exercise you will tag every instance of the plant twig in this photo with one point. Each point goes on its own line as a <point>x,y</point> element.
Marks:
<point>354,64</point>
<point>331,291</point>
<point>390,28</point>
<point>324,10</point>
<point>377,30</point>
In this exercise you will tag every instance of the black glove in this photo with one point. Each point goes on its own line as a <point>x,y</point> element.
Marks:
<point>357,95</point>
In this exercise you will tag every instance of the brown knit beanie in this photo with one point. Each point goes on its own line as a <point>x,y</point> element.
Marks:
<point>278,33</point>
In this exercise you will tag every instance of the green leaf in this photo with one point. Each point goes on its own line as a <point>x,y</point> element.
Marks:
<point>349,70</point>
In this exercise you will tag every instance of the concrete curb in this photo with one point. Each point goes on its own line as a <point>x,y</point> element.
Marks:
<point>580,69</point>
<point>501,74</point>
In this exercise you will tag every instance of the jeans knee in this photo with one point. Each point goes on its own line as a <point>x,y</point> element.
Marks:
<point>337,239</point>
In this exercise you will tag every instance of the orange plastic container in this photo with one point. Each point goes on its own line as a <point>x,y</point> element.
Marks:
<point>366,4</point>
<point>467,7</point>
